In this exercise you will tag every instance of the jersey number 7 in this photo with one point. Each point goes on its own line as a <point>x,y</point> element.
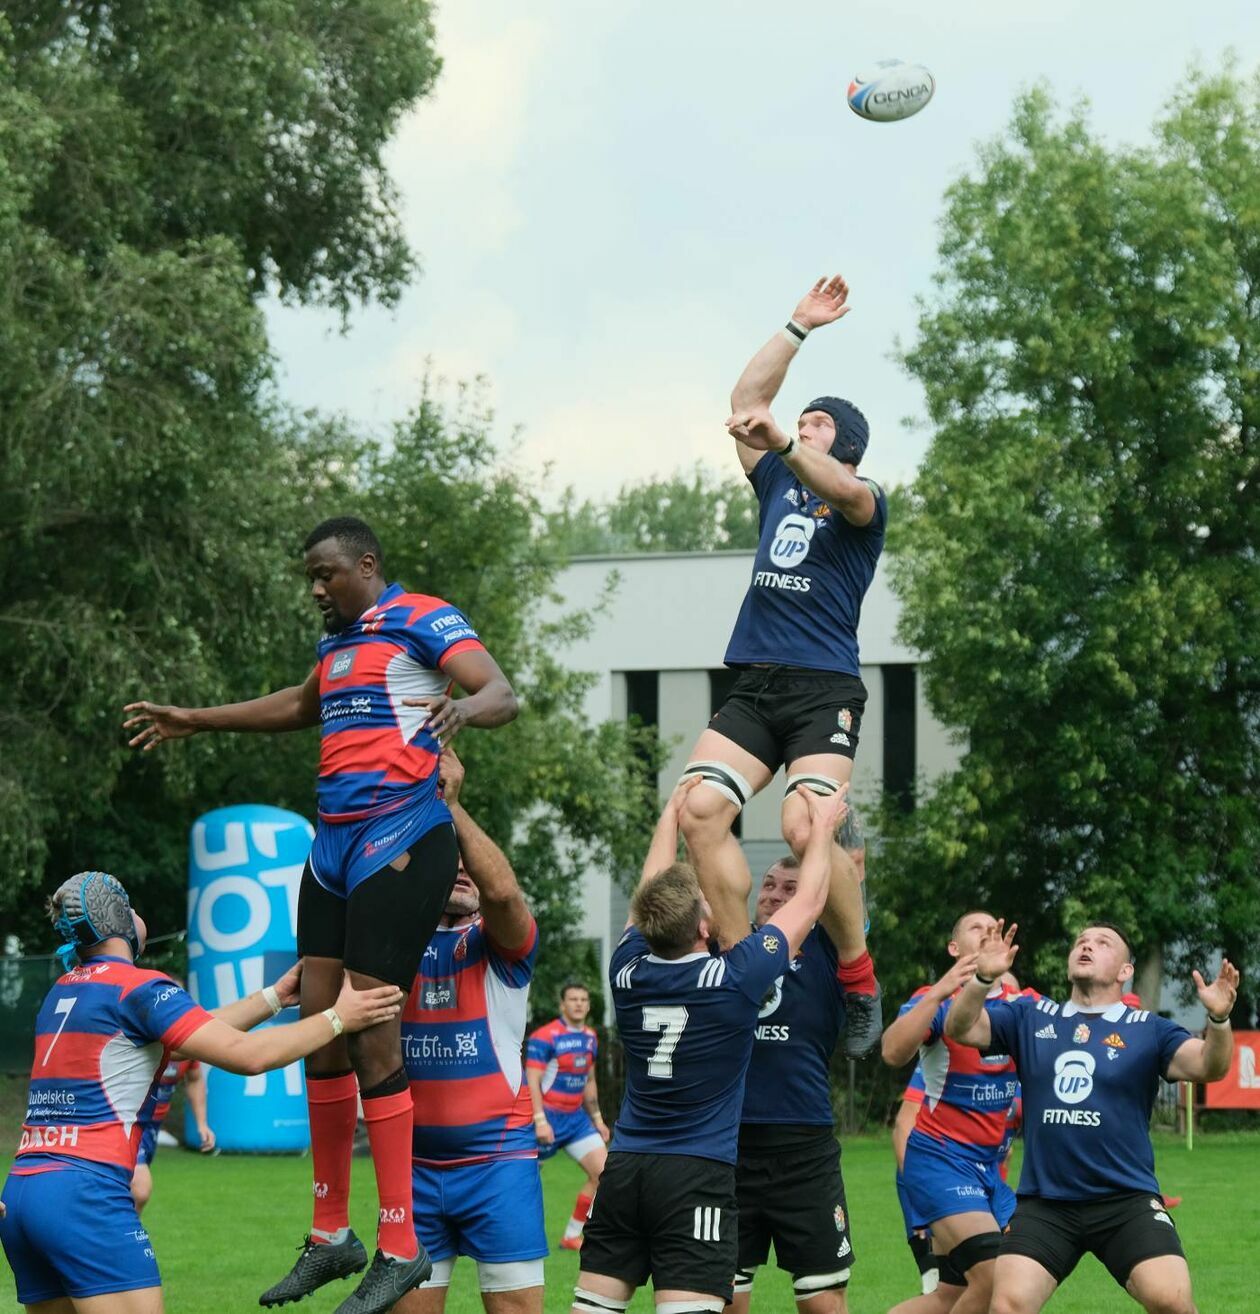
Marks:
<point>669,1020</point>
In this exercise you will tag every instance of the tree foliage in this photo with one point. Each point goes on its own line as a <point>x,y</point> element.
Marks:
<point>696,512</point>
<point>1079,562</point>
<point>161,165</point>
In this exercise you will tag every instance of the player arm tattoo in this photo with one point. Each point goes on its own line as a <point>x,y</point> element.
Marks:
<point>590,1098</point>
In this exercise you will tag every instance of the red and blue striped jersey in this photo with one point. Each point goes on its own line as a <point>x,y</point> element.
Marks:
<point>967,1095</point>
<point>375,754</point>
<point>462,1032</point>
<point>103,1035</point>
<point>172,1074</point>
<point>566,1057</point>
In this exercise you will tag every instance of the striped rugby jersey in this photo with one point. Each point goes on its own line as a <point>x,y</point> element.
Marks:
<point>565,1056</point>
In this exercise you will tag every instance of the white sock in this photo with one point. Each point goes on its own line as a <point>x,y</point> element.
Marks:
<point>330,1238</point>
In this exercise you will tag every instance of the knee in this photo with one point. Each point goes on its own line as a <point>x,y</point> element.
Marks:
<point>795,827</point>
<point>705,814</point>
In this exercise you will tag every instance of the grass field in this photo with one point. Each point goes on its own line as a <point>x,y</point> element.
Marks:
<point>225,1228</point>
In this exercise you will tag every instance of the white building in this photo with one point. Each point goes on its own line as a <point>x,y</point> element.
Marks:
<point>657,648</point>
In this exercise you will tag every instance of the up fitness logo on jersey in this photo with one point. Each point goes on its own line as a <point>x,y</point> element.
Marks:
<point>791,541</point>
<point>1073,1076</point>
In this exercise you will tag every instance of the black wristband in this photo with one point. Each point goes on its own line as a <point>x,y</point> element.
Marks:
<point>1219,1021</point>
<point>799,333</point>
<point>985,980</point>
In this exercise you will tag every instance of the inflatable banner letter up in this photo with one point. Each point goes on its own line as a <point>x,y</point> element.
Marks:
<point>244,867</point>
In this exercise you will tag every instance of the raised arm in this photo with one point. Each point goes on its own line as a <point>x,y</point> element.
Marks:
<point>797,917</point>
<point>503,905</point>
<point>663,849</point>
<point>763,376</point>
<point>1209,1059</point>
<point>902,1039</point>
<point>968,1020</point>
<point>489,699</point>
<point>295,708</point>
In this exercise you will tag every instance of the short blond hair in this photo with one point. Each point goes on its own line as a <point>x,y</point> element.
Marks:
<point>667,909</point>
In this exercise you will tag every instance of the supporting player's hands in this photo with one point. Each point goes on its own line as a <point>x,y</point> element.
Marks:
<point>757,429</point>
<point>826,811</point>
<point>997,950</point>
<point>963,970</point>
<point>674,804</point>
<point>157,722</point>
<point>450,775</point>
<point>543,1130</point>
<point>289,987</point>
<point>447,716</point>
<point>824,303</point>
<point>360,1009</point>
<point>206,1133</point>
<point>1218,998</point>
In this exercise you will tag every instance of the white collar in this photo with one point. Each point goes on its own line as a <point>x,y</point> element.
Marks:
<point>686,958</point>
<point>1113,1013</point>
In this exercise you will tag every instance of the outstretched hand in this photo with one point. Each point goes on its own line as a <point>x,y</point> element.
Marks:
<point>1218,998</point>
<point>157,722</point>
<point>826,302</point>
<point>826,811</point>
<point>757,429</point>
<point>959,974</point>
<point>997,950</point>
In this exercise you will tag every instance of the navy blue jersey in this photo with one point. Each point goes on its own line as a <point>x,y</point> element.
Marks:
<point>686,1025</point>
<point>1088,1082</point>
<point>797,1030</point>
<point>810,575</point>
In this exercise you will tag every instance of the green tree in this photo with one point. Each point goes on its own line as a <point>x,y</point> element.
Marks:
<point>1079,562</point>
<point>696,512</point>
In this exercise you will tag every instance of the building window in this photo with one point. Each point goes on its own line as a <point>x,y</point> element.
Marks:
<point>721,682</point>
<point>643,696</point>
<point>900,763</point>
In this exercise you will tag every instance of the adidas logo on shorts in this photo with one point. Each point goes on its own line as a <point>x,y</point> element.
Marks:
<point>1047,1032</point>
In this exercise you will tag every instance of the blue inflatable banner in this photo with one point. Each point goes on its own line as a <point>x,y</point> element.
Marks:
<point>244,868</point>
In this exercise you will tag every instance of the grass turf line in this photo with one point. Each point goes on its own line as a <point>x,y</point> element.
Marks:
<point>227,1227</point>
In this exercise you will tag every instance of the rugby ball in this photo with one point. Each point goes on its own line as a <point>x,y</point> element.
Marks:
<point>892,90</point>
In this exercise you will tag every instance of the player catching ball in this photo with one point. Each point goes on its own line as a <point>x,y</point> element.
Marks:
<point>799,696</point>
<point>1089,1069</point>
<point>380,871</point>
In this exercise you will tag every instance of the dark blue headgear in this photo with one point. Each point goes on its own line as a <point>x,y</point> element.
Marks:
<point>852,431</point>
<point>90,907</point>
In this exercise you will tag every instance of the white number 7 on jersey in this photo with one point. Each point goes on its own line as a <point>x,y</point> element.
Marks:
<point>62,1006</point>
<point>670,1019</point>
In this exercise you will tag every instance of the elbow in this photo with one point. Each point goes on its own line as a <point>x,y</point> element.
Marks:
<point>509,704</point>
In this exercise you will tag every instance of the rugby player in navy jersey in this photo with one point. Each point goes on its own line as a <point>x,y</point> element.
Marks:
<point>381,868</point>
<point>666,1208</point>
<point>788,1181</point>
<point>799,696</point>
<point>1088,1069</point>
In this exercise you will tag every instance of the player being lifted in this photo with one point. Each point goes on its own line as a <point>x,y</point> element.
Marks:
<point>666,1204</point>
<point>788,1182</point>
<point>951,1172</point>
<point>1089,1069</point>
<point>103,1036</point>
<point>799,696</point>
<point>560,1069</point>
<point>464,1025</point>
<point>380,871</point>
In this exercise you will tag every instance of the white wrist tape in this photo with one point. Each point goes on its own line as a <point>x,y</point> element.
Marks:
<point>338,1025</point>
<point>272,998</point>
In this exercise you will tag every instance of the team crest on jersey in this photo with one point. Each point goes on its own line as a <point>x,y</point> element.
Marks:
<point>839,1217</point>
<point>461,949</point>
<point>770,943</point>
<point>341,664</point>
<point>1080,1035</point>
<point>1114,1045</point>
<point>821,511</point>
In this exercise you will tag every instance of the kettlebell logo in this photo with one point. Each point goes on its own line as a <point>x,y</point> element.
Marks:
<point>1074,1076</point>
<point>791,541</point>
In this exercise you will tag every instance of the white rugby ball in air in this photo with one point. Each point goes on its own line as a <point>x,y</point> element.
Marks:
<point>892,90</point>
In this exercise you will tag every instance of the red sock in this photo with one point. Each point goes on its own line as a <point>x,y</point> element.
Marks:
<point>858,977</point>
<point>389,1119</point>
<point>582,1209</point>
<point>333,1106</point>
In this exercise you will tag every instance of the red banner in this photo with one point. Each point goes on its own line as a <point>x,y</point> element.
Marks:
<point>1240,1087</point>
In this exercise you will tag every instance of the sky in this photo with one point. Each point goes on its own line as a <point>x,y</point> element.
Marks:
<point>615,205</point>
